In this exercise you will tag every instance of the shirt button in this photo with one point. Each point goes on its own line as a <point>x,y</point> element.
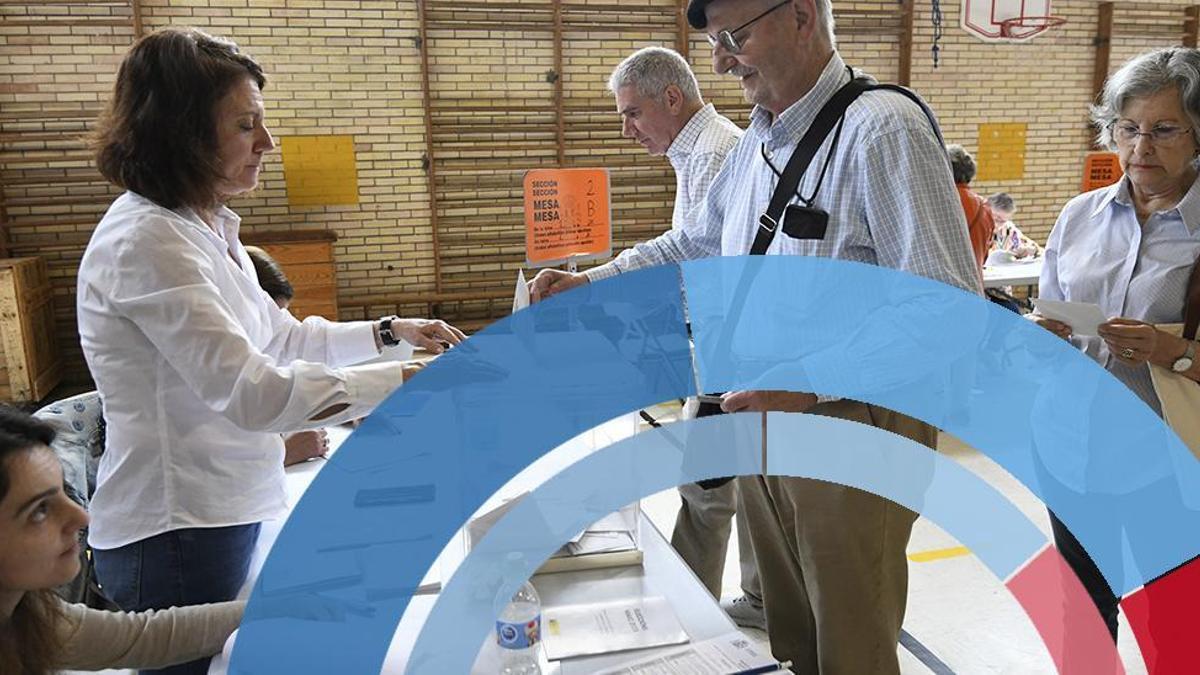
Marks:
<point>770,153</point>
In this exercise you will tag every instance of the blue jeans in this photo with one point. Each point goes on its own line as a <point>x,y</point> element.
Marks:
<point>182,567</point>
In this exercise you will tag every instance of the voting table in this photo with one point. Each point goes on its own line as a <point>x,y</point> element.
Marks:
<point>1012,274</point>
<point>662,572</point>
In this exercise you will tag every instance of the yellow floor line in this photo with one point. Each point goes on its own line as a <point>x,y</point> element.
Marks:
<point>939,554</point>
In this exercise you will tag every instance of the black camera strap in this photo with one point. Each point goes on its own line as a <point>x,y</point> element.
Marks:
<point>802,156</point>
<point>829,115</point>
<point>806,150</point>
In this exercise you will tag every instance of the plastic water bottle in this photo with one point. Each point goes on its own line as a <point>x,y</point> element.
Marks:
<point>519,632</point>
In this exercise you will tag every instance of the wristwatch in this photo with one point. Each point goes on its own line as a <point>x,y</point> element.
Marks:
<point>1184,363</point>
<point>390,340</point>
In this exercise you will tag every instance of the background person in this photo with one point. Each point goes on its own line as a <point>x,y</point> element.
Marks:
<point>1007,237</point>
<point>39,525</point>
<point>199,371</point>
<point>980,224</point>
<point>298,446</point>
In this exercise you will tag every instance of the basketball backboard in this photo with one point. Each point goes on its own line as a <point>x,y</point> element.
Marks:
<point>1007,20</point>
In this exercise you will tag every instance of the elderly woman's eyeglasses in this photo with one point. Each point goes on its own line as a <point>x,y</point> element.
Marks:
<point>1128,134</point>
<point>731,44</point>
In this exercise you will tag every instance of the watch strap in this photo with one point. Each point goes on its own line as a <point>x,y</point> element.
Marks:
<point>386,336</point>
<point>1184,362</point>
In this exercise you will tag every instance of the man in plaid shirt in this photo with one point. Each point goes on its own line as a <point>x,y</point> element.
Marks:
<point>831,558</point>
<point>661,108</point>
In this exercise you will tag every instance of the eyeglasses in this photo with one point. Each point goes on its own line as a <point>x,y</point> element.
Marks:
<point>726,39</point>
<point>1128,134</point>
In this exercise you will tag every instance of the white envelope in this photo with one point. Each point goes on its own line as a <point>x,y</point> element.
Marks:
<point>1084,318</point>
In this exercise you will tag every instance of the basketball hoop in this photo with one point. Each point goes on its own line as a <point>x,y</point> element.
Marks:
<point>1008,21</point>
<point>1025,27</point>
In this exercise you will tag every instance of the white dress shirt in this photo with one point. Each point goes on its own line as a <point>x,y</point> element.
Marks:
<point>200,371</point>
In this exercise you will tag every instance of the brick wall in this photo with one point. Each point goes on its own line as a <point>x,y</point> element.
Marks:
<point>1045,83</point>
<point>351,68</point>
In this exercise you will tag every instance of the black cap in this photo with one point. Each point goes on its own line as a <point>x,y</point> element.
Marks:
<point>695,13</point>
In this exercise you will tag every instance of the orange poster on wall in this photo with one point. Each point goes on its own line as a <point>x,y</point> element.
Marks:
<point>1100,169</point>
<point>567,216</point>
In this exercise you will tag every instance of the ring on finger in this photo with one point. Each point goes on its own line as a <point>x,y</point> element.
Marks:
<point>1127,353</point>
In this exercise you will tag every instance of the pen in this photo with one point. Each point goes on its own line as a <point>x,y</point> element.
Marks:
<point>765,669</point>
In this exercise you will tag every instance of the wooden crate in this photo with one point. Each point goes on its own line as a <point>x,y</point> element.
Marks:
<point>306,257</point>
<point>30,363</point>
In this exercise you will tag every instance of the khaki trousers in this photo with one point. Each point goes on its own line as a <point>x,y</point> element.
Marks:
<point>701,536</point>
<point>831,560</point>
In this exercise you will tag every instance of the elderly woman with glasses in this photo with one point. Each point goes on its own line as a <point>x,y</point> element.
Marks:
<point>1130,249</point>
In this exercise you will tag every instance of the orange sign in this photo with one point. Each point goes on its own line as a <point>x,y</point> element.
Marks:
<point>1100,169</point>
<point>567,216</point>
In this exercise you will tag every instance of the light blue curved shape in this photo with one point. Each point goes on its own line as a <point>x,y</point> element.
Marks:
<point>867,458</point>
<point>375,519</point>
<point>1072,433</point>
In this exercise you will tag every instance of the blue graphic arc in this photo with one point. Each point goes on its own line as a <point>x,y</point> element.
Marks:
<point>377,516</point>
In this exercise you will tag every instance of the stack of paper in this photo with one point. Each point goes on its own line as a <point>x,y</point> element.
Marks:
<point>728,654</point>
<point>609,542</point>
<point>603,628</point>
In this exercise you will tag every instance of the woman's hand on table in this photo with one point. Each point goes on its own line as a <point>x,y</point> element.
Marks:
<point>432,335</point>
<point>304,445</point>
<point>411,368</point>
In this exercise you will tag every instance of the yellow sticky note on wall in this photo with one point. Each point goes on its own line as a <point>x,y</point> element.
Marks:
<point>319,170</point>
<point>1001,151</point>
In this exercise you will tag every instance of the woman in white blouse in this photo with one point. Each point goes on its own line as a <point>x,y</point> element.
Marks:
<point>198,369</point>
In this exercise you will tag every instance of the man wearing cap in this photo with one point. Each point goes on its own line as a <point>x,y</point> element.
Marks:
<point>831,558</point>
<point>661,107</point>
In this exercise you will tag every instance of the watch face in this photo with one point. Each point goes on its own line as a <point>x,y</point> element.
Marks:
<point>1182,364</point>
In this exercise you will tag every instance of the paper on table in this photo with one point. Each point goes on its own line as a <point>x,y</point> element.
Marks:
<point>601,542</point>
<point>1084,318</point>
<point>477,527</point>
<point>722,655</point>
<point>613,522</point>
<point>521,294</point>
<point>604,628</point>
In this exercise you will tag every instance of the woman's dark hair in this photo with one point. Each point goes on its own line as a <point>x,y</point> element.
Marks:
<point>270,275</point>
<point>28,640</point>
<point>19,431</point>
<point>158,134</point>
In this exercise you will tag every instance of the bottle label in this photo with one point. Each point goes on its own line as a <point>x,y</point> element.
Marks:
<point>519,635</point>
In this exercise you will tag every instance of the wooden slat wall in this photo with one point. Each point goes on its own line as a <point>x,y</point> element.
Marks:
<point>1140,26</point>
<point>52,195</point>
<point>500,105</point>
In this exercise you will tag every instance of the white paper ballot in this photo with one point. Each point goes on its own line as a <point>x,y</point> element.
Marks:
<point>1084,318</point>
<point>729,653</point>
<point>521,295</point>
<point>603,628</point>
